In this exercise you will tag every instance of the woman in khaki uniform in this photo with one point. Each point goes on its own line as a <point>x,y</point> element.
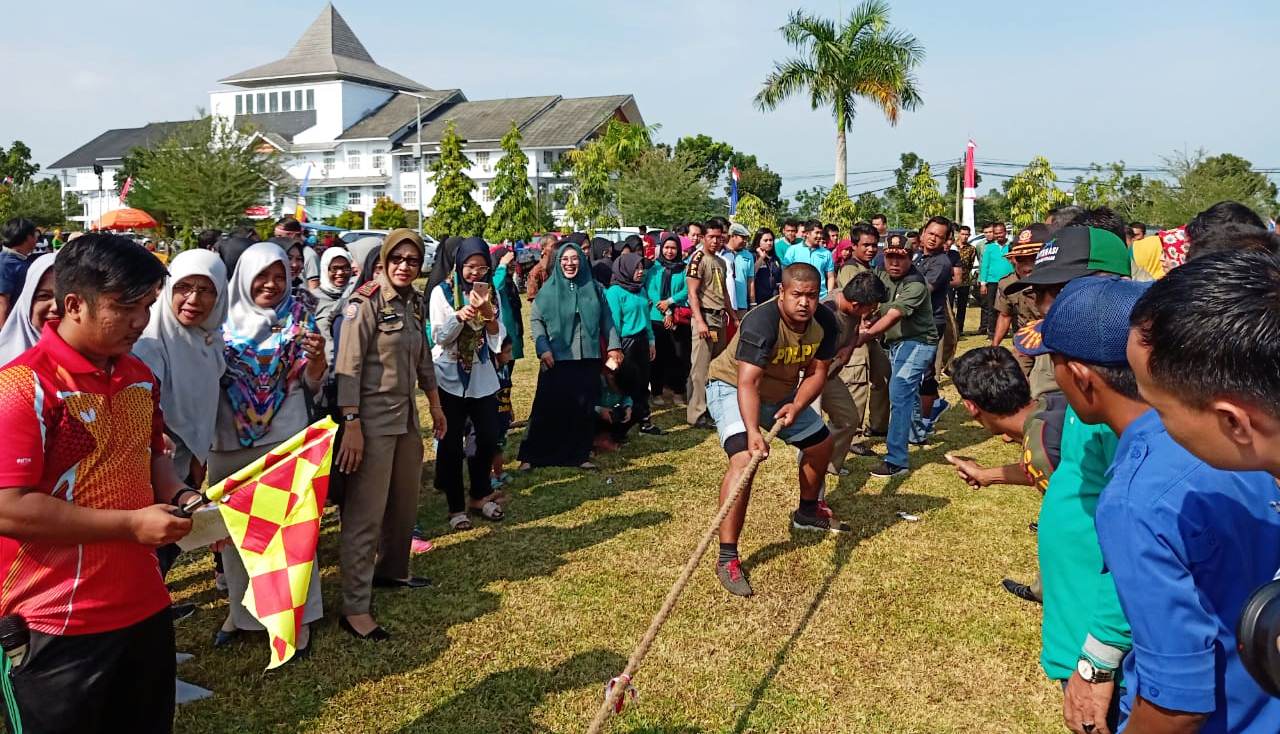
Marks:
<point>382,353</point>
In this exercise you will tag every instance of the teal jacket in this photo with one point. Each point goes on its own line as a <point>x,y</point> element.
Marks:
<point>509,318</point>
<point>653,287</point>
<point>630,311</point>
<point>994,264</point>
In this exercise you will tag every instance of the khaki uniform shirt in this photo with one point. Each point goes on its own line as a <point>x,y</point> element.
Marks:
<point>382,355</point>
<point>1021,306</point>
<point>848,270</point>
<point>710,270</point>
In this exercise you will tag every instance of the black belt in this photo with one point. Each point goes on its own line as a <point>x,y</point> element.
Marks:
<point>713,311</point>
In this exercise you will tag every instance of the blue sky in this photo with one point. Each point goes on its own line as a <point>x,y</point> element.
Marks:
<point>1088,81</point>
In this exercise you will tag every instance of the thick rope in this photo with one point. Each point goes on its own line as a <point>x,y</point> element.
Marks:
<point>615,692</point>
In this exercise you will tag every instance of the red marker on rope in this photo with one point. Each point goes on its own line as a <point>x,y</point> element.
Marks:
<point>628,689</point>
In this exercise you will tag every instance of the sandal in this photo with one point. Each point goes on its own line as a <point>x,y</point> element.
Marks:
<point>460,521</point>
<point>587,465</point>
<point>491,511</point>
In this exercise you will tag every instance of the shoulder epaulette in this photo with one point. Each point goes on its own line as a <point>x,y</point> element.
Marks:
<point>695,261</point>
<point>368,289</point>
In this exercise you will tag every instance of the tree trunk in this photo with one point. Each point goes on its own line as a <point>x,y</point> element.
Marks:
<point>842,156</point>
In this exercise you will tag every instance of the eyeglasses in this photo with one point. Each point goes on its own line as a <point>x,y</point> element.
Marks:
<point>477,269</point>
<point>413,262</point>
<point>183,290</point>
<point>335,269</point>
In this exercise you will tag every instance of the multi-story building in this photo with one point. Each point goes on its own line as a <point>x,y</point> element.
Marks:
<point>329,108</point>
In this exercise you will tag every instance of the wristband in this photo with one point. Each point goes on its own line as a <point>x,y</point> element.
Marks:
<point>177,496</point>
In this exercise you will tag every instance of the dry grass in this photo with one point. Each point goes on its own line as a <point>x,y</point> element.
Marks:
<point>902,627</point>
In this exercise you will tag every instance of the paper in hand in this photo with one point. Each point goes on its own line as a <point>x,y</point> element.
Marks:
<point>206,528</point>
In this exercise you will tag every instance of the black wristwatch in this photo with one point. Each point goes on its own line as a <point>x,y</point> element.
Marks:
<point>350,417</point>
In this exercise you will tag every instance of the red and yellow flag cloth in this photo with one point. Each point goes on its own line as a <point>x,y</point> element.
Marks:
<point>272,511</point>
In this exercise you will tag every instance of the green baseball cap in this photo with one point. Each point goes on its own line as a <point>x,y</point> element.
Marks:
<point>1075,252</point>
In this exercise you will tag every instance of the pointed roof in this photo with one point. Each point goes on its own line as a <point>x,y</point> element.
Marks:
<point>328,49</point>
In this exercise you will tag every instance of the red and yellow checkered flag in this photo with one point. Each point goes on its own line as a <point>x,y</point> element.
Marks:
<point>272,510</point>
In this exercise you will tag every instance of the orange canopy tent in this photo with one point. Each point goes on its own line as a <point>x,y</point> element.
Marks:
<point>126,219</point>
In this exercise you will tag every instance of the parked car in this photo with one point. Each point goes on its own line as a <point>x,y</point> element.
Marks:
<point>429,243</point>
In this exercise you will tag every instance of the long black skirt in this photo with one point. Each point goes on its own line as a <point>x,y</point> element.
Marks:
<point>563,421</point>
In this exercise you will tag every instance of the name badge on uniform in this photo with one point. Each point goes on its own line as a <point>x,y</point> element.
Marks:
<point>388,315</point>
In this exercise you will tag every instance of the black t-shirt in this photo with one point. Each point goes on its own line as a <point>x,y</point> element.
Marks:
<point>936,269</point>
<point>763,339</point>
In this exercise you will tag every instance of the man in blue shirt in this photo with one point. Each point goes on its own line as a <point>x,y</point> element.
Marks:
<point>816,254</point>
<point>1185,543</point>
<point>742,266</point>
<point>19,239</point>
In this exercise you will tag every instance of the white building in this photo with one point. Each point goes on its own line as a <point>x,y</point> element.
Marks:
<point>328,107</point>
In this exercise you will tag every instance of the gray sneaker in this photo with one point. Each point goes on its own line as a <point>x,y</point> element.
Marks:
<point>733,578</point>
<point>816,523</point>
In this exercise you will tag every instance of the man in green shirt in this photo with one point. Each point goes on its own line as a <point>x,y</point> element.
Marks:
<point>906,323</point>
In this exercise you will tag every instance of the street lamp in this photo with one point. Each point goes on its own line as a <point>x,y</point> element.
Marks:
<point>422,209</point>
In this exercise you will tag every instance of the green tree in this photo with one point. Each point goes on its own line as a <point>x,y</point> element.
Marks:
<point>867,205</point>
<point>623,144</point>
<point>204,175</point>
<point>1032,193</point>
<point>349,220</point>
<point>15,164</point>
<point>955,183</point>
<point>809,202</point>
<point>754,178</point>
<point>1199,182</point>
<point>753,213</point>
<point>515,214</point>
<point>454,211</point>
<point>591,194</point>
<point>659,190</point>
<point>40,201</point>
<point>709,157</point>
<point>899,208</point>
<point>991,207</point>
<point>862,58</point>
<point>923,197</point>
<point>1110,186</point>
<point>838,209</point>
<point>387,214</point>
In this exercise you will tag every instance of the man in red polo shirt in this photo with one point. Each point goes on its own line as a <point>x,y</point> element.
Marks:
<point>84,501</point>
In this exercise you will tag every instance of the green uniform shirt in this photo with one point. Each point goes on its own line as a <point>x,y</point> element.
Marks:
<point>910,297</point>
<point>630,311</point>
<point>653,287</point>
<point>1080,599</point>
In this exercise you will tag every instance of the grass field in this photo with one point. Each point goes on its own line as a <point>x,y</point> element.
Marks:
<point>901,627</point>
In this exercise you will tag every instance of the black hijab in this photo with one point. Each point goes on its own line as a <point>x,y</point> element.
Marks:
<point>230,251</point>
<point>624,271</point>
<point>669,267</point>
<point>633,242</point>
<point>601,249</point>
<point>443,268</point>
<point>468,248</point>
<point>368,266</point>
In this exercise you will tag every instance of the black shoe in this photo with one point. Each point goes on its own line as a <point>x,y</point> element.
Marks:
<point>817,523</point>
<point>1034,527</point>
<point>1022,591</point>
<point>885,469</point>
<point>181,611</point>
<point>377,634</point>
<point>705,422</point>
<point>222,637</point>
<point>858,449</point>
<point>650,430</point>
<point>878,434</point>
<point>413,582</point>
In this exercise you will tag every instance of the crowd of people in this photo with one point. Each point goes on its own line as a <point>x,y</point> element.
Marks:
<point>1141,390</point>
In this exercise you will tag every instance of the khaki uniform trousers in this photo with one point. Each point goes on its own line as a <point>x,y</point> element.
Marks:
<point>700,355</point>
<point>843,417</point>
<point>946,347</point>
<point>378,514</point>
<point>867,376</point>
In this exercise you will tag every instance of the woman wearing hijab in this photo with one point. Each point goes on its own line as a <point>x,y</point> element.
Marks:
<point>443,267</point>
<point>602,261</point>
<point>335,276</point>
<point>33,307</point>
<point>569,322</point>
<point>360,251</point>
<point>383,354</point>
<point>272,351</point>
<point>668,293</point>
<point>182,344</point>
<point>630,306</point>
<point>468,334</point>
<point>297,253</point>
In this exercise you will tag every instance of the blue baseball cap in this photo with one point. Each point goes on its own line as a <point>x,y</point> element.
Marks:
<point>1088,321</point>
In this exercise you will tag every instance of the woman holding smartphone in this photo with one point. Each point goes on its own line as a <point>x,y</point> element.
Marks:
<point>468,332</point>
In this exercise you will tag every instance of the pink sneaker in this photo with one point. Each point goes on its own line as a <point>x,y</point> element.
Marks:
<point>419,546</point>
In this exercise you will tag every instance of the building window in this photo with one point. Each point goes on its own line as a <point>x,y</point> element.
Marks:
<point>273,99</point>
<point>261,104</point>
<point>548,158</point>
<point>353,198</point>
<point>410,195</point>
<point>432,159</point>
<point>248,104</point>
<point>329,198</point>
<point>482,159</point>
<point>328,164</point>
<point>239,104</point>
<point>484,192</point>
<point>408,164</point>
<point>286,101</point>
<point>376,158</point>
<point>311,99</point>
<point>353,160</point>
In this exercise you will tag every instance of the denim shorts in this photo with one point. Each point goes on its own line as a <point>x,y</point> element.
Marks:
<point>722,404</point>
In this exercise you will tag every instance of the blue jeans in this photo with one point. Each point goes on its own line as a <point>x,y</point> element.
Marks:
<point>908,360</point>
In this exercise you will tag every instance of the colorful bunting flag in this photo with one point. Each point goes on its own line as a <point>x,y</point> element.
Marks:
<point>272,511</point>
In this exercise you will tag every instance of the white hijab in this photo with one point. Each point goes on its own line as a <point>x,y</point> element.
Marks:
<point>18,335</point>
<point>326,285</point>
<point>246,320</point>
<point>188,360</point>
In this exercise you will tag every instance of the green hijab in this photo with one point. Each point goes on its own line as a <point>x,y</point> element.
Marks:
<point>561,300</point>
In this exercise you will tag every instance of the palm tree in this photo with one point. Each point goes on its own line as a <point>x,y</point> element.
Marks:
<point>863,58</point>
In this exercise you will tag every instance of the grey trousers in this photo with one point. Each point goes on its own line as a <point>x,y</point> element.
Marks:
<point>221,465</point>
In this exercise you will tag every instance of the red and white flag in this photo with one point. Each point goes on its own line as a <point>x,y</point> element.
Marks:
<point>124,190</point>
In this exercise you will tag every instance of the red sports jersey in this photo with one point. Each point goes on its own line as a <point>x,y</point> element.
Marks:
<point>86,436</point>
